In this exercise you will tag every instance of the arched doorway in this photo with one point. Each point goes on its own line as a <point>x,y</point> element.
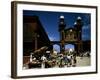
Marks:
<point>69,48</point>
<point>56,47</point>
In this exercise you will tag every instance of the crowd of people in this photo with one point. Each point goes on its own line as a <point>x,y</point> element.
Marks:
<point>58,60</point>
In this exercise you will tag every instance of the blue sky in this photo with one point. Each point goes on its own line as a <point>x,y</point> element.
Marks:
<point>50,21</point>
<point>68,46</point>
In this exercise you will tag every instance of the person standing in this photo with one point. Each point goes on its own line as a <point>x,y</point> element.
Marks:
<point>43,58</point>
<point>31,57</point>
<point>69,60</point>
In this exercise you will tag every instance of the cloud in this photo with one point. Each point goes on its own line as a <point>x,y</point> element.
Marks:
<point>86,26</point>
<point>51,38</point>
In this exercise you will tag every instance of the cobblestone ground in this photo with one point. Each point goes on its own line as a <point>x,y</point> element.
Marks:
<point>83,61</point>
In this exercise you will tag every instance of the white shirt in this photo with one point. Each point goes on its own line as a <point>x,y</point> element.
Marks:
<point>43,58</point>
<point>69,57</point>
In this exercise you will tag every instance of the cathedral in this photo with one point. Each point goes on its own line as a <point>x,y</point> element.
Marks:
<point>36,41</point>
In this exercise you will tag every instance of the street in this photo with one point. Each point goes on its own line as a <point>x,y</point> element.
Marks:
<point>83,61</point>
